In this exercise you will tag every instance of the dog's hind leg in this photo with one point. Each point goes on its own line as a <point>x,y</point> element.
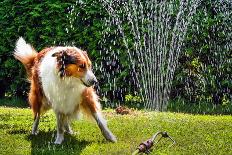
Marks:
<point>35,102</point>
<point>35,124</point>
<point>60,118</point>
<point>67,126</point>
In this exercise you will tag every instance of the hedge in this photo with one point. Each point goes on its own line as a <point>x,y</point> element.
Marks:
<point>203,74</point>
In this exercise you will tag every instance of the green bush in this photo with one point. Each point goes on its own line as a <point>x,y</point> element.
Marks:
<point>57,23</point>
<point>41,24</point>
<point>203,74</point>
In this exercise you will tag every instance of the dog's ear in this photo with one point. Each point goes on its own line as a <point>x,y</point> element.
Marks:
<point>57,54</point>
<point>64,58</point>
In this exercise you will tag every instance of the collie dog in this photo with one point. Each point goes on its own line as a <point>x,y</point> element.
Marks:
<point>61,78</point>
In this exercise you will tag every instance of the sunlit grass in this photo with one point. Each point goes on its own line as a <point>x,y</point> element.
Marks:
<point>194,134</point>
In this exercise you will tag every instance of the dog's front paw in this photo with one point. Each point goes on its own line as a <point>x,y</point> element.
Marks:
<point>34,133</point>
<point>112,138</point>
<point>59,139</point>
<point>109,136</point>
<point>69,130</point>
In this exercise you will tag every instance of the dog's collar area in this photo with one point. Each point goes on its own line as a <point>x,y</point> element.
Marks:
<point>85,84</point>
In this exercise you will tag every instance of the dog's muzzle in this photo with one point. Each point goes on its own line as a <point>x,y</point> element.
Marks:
<point>89,79</point>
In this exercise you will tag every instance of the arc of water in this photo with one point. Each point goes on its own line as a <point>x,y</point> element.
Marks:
<point>158,48</point>
<point>176,43</point>
<point>113,14</point>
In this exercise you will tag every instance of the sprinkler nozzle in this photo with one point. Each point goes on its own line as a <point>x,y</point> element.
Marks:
<point>145,147</point>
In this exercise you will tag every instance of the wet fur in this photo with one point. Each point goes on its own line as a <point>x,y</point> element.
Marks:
<point>60,79</point>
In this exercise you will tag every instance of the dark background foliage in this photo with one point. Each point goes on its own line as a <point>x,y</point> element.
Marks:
<point>205,70</point>
<point>203,74</point>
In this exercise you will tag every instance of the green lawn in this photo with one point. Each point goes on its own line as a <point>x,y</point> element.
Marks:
<point>194,134</point>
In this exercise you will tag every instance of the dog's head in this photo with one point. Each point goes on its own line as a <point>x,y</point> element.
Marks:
<point>74,62</point>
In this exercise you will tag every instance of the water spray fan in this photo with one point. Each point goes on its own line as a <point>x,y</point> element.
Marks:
<point>146,146</point>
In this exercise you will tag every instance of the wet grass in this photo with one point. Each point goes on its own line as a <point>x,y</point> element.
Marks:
<point>194,134</point>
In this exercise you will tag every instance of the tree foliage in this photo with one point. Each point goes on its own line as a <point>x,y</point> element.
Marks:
<point>204,72</point>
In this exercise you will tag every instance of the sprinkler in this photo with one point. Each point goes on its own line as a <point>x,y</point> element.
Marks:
<point>146,146</point>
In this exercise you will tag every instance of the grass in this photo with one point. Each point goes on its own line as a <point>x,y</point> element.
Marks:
<point>194,134</point>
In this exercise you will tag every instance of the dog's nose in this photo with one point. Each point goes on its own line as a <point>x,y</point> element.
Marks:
<point>94,82</point>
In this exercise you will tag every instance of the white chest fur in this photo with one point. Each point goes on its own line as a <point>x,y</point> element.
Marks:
<point>63,94</point>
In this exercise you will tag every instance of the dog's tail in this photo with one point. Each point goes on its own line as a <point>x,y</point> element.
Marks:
<point>26,54</point>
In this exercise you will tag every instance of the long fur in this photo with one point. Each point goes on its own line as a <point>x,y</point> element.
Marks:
<point>25,53</point>
<point>61,78</point>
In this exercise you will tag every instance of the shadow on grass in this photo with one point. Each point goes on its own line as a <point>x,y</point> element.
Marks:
<point>14,102</point>
<point>43,143</point>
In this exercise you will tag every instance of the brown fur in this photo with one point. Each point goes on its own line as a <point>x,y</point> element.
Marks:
<point>28,62</point>
<point>36,94</point>
<point>88,104</point>
<point>72,64</point>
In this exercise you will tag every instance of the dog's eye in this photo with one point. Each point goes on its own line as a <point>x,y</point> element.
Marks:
<point>82,66</point>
